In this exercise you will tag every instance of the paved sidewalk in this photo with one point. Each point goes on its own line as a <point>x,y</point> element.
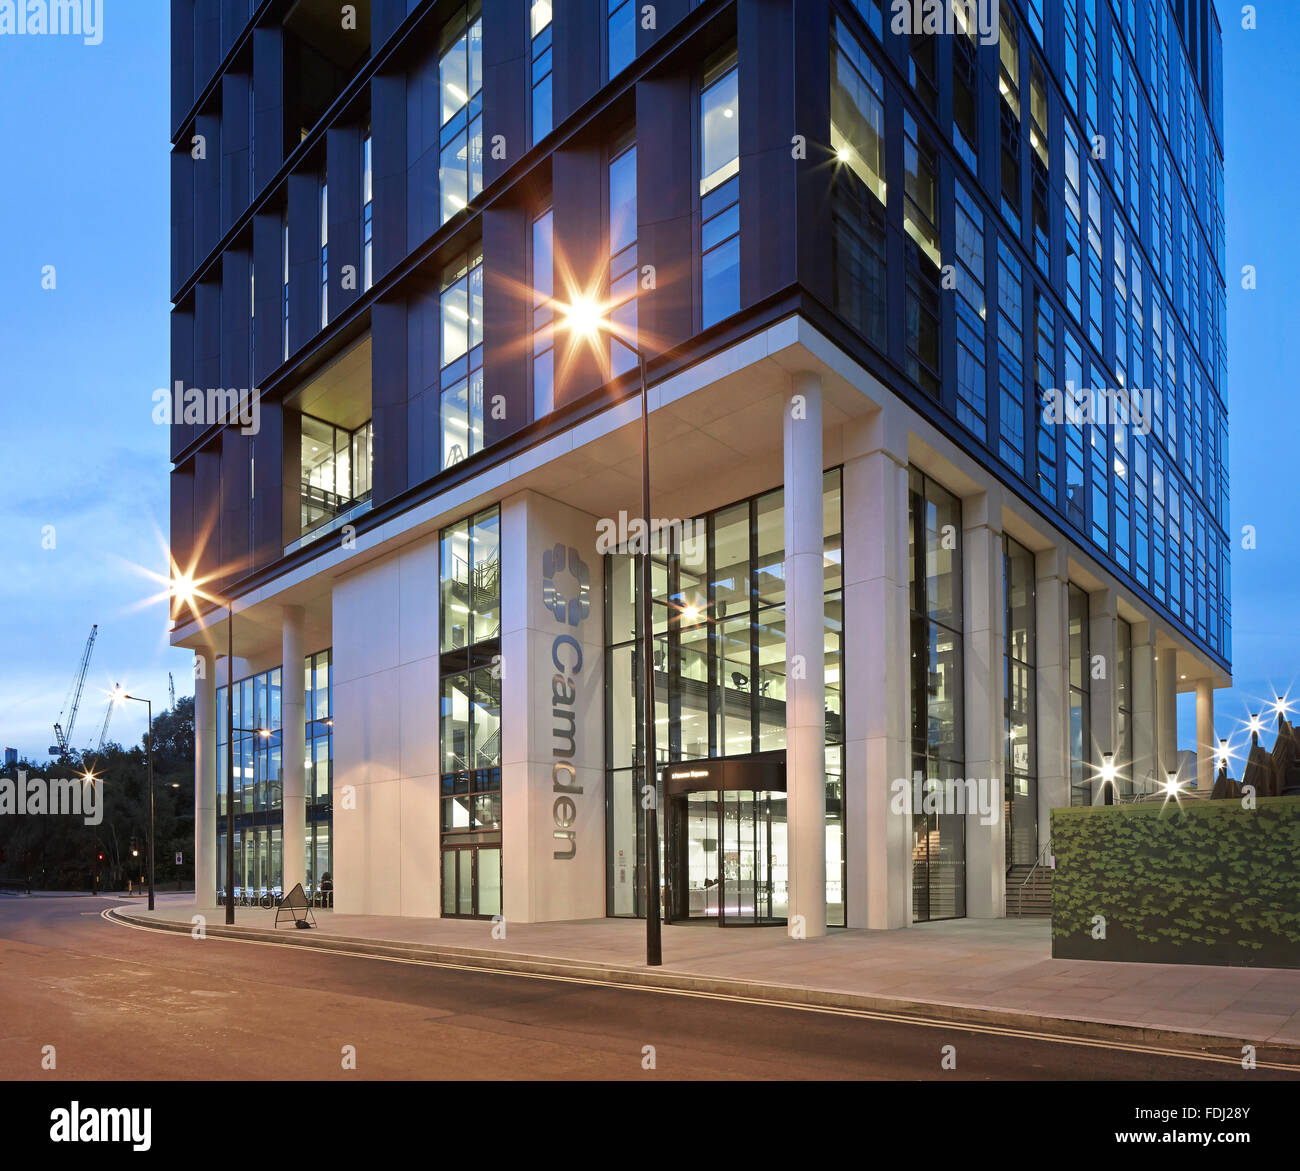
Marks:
<point>997,970</point>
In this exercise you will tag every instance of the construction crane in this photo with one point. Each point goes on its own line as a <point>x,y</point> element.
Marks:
<point>108,716</point>
<point>171,690</point>
<point>68,716</point>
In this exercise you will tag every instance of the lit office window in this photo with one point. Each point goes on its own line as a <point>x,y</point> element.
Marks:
<point>367,213</point>
<point>543,314</point>
<point>920,221</point>
<point>624,272</point>
<point>720,190</point>
<point>470,716</point>
<point>1020,704</point>
<point>543,119</point>
<point>857,112</point>
<point>258,785</point>
<point>938,723</point>
<point>621,32</point>
<point>720,659</point>
<point>461,314</point>
<point>336,467</point>
<point>324,255</point>
<point>460,85</point>
<point>318,692</point>
<point>858,200</point>
<point>1009,87</point>
<point>1040,182</point>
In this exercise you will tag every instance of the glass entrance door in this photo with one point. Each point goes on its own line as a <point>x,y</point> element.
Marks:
<point>728,858</point>
<point>694,844</point>
<point>754,858</point>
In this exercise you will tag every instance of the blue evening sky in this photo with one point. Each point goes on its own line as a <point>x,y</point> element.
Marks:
<point>84,135</point>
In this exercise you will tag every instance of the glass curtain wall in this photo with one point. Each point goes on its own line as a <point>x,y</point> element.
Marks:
<point>1126,784</point>
<point>318,694</point>
<point>1020,690</point>
<point>258,780</point>
<point>470,726</point>
<point>720,685</point>
<point>938,727</point>
<point>336,469</point>
<point>1080,699</point>
<point>460,95</point>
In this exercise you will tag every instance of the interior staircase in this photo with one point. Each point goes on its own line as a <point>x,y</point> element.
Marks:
<point>1031,899</point>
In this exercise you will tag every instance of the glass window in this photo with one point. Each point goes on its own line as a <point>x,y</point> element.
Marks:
<point>367,212</point>
<point>857,112</point>
<point>720,125</point>
<point>543,315</point>
<point>461,315</point>
<point>621,28</point>
<point>938,725</point>
<point>720,662</point>
<point>460,138</point>
<point>720,189</point>
<point>624,273</point>
<point>543,117</point>
<point>1020,700</point>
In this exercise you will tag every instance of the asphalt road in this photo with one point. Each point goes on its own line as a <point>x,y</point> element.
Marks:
<point>124,1003</point>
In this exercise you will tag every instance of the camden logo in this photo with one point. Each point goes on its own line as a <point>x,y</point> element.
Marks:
<point>571,607</point>
<point>566,593</point>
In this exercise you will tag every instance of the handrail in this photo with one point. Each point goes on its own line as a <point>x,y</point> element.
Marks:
<point>1020,890</point>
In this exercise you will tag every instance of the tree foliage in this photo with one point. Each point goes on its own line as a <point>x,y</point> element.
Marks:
<point>62,852</point>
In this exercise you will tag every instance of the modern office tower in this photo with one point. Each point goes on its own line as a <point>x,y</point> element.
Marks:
<point>932,316</point>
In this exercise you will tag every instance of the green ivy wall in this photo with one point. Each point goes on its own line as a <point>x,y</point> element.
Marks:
<point>1205,882</point>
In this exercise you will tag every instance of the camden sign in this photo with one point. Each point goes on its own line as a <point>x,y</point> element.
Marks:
<point>566,594</point>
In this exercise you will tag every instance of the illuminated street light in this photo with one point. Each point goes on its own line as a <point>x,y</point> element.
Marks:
<point>586,319</point>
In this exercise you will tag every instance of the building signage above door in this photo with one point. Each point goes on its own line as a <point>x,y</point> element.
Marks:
<point>762,771</point>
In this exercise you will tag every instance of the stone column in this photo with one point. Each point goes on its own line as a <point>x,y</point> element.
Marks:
<point>205,780</point>
<point>552,713</point>
<point>985,716</point>
<point>1052,677</point>
<point>1166,671</point>
<point>292,741</point>
<point>1205,742</point>
<point>877,672</point>
<point>1103,712</point>
<point>1142,768</point>
<point>805,655</point>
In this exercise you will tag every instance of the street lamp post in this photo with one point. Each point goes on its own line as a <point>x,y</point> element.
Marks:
<point>586,318</point>
<point>184,588</point>
<point>653,929</point>
<point>148,740</point>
